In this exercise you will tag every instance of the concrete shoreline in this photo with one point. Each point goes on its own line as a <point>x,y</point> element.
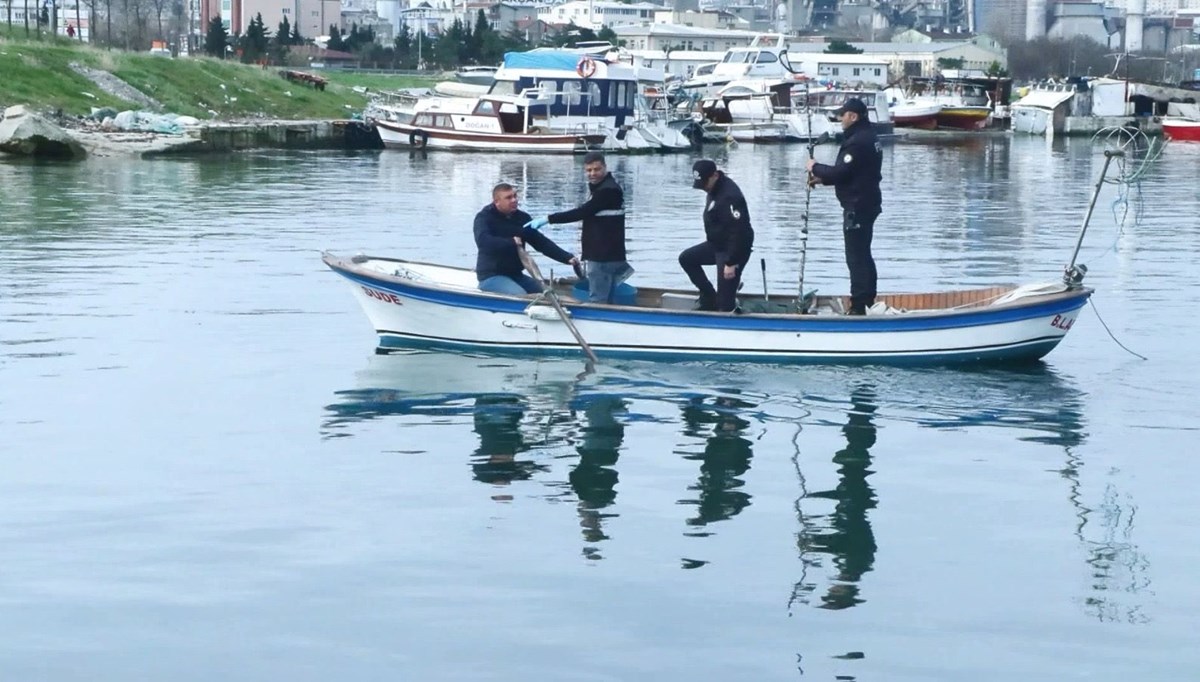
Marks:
<point>232,137</point>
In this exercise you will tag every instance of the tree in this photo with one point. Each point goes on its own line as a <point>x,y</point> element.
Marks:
<point>216,38</point>
<point>836,46</point>
<point>256,42</point>
<point>994,70</point>
<point>335,39</point>
<point>279,44</point>
<point>606,33</point>
<point>160,6</point>
<point>297,39</point>
<point>950,63</point>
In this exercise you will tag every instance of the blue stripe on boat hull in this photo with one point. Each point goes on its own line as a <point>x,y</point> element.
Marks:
<point>750,323</point>
<point>1029,351</point>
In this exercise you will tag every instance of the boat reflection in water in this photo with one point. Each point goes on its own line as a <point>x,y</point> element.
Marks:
<point>548,423</point>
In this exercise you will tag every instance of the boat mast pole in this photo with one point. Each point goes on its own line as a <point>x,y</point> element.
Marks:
<point>1072,276</point>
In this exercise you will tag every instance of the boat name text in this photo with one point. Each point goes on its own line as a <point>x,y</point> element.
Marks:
<point>392,298</point>
<point>1063,323</point>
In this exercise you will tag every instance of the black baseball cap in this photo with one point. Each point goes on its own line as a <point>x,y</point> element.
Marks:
<point>854,105</point>
<point>702,170</point>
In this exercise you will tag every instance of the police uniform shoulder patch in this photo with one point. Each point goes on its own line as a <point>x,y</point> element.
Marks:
<point>847,158</point>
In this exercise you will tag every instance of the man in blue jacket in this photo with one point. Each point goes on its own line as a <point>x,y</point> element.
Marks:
<point>728,239</point>
<point>499,231</point>
<point>603,218</point>
<point>855,177</point>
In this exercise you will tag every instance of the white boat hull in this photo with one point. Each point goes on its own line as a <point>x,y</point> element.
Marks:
<point>404,136</point>
<point>407,307</point>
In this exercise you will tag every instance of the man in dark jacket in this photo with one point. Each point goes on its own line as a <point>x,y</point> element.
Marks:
<point>728,239</point>
<point>855,178</point>
<point>603,217</point>
<point>499,232</point>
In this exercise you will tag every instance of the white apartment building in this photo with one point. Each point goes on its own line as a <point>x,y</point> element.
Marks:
<point>595,14</point>
<point>677,37</point>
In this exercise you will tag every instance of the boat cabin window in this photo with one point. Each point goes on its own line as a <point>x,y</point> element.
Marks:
<point>570,96</point>
<point>486,108</point>
<point>766,58</point>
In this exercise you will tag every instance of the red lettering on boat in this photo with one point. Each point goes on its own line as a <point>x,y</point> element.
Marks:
<point>382,296</point>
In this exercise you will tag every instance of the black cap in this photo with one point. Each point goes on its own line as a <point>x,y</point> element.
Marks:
<point>702,170</point>
<point>854,105</point>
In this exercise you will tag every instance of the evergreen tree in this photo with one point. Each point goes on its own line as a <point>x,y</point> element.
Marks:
<point>256,42</point>
<point>279,45</point>
<point>284,32</point>
<point>297,39</point>
<point>606,33</point>
<point>841,47</point>
<point>335,39</point>
<point>216,38</point>
<point>403,49</point>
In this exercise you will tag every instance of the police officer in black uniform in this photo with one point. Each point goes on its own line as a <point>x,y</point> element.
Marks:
<point>855,178</point>
<point>728,239</point>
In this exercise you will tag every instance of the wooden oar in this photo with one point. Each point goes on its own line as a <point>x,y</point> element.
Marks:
<point>532,267</point>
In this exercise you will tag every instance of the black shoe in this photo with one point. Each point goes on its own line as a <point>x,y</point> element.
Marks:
<point>857,310</point>
<point>707,304</point>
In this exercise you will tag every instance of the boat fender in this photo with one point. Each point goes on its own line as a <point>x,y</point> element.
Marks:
<point>586,68</point>
<point>418,139</point>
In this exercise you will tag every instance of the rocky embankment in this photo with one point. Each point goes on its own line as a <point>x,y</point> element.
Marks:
<point>143,133</point>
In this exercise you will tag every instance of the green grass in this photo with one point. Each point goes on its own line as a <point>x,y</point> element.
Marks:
<point>36,73</point>
<point>378,81</point>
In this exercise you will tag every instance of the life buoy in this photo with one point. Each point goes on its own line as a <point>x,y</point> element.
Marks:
<point>418,139</point>
<point>586,68</point>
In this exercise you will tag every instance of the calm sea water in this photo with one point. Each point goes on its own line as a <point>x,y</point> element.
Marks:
<point>206,473</point>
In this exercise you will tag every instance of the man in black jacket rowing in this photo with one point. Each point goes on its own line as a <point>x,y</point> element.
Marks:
<point>499,231</point>
<point>728,238</point>
<point>603,217</point>
<point>855,178</point>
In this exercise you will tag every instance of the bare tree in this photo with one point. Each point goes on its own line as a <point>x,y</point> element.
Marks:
<point>160,6</point>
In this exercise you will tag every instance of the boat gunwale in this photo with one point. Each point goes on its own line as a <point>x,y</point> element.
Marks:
<point>348,264</point>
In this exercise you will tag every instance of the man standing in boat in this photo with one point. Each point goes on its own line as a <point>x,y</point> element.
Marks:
<point>603,218</point>
<point>499,232</point>
<point>728,238</point>
<point>855,178</point>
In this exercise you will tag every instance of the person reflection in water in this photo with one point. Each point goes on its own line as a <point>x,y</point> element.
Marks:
<point>498,423</point>
<point>849,538</point>
<point>594,478</point>
<point>725,459</point>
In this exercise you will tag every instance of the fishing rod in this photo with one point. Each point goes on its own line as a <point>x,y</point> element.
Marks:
<point>1073,274</point>
<point>801,307</point>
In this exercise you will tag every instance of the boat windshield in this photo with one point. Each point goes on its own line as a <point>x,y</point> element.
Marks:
<point>503,88</point>
<point>739,57</point>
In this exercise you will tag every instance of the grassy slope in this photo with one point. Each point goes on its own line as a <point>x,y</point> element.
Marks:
<point>37,73</point>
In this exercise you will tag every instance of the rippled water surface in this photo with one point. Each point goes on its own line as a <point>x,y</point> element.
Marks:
<point>208,474</point>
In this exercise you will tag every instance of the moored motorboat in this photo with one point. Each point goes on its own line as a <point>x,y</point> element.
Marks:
<point>1181,129</point>
<point>488,123</point>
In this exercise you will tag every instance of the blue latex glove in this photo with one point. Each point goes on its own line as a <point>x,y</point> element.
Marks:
<point>538,223</point>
